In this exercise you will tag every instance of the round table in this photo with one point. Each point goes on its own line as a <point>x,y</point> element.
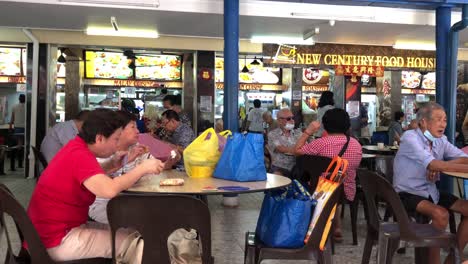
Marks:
<point>463,175</point>
<point>385,151</point>
<point>198,186</point>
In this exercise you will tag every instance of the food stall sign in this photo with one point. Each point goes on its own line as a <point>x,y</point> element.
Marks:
<point>418,91</point>
<point>359,70</point>
<point>315,88</point>
<point>5,79</point>
<point>135,83</point>
<point>256,87</point>
<point>347,55</point>
<point>261,96</point>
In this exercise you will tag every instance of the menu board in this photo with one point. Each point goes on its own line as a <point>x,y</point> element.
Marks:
<point>312,76</point>
<point>417,80</point>
<point>107,65</point>
<point>257,73</point>
<point>158,67</point>
<point>429,81</point>
<point>10,61</point>
<point>410,79</point>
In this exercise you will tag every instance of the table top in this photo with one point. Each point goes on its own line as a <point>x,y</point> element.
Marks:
<point>463,175</point>
<point>376,149</point>
<point>368,156</point>
<point>150,184</point>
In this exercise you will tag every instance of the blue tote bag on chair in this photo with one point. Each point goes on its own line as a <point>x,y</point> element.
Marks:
<point>285,216</point>
<point>242,159</point>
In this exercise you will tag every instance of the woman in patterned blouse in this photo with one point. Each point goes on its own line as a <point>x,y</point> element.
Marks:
<point>336,123</point>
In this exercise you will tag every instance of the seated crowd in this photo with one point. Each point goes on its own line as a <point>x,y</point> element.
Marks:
<point>95,156</point>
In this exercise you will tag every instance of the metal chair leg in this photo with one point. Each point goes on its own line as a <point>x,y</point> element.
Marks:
<point>368,248</point>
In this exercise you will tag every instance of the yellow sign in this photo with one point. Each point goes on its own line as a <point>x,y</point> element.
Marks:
<point>362,60</point>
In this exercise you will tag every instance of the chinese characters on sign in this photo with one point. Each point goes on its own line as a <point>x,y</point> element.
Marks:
<point>373,71</point>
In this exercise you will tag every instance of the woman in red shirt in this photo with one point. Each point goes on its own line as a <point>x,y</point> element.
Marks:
<point>336,123</point>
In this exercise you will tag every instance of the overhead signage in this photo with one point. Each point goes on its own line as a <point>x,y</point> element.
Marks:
<point>134,83</point>
<point>348,55</point>
<point>418,91</point>
<point>359,70</point>
<point>5,79</point>
<point>314,88</point>
<point>256,87</point>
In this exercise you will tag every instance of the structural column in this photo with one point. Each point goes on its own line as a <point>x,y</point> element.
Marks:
<point>443,23</point>
<point>45,70</point>
<point>231,64</point>
<point>73,86</point>
<point>205,89</point>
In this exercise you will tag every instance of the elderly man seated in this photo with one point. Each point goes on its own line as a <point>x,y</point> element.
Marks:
<point>425,152</point>
<point>281,142</point>
<point>181,134</point>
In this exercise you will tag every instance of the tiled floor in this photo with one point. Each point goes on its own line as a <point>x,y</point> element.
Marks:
<point>229,227</point>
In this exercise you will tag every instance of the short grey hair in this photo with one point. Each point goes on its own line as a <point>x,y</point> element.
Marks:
<point>425,112</point>
<point>282,111</point>
<point>266,114</point>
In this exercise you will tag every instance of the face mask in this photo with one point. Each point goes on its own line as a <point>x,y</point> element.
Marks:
<point>429,136</point>
<point>289,126</point>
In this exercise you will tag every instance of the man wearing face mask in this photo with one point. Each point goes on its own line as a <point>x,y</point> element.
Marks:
<point>425,152</point>
<point>281,142</point>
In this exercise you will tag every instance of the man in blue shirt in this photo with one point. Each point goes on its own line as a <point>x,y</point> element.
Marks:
<point>425,152</point>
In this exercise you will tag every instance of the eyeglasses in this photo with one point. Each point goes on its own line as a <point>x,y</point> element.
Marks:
<point>289,118</point>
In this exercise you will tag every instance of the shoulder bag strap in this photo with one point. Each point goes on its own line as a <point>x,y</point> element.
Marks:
<point>345,146</point>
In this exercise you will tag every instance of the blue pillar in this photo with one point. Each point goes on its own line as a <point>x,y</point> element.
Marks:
<point>443,23</point>
<point>231,65</point>
<point>451,94</point>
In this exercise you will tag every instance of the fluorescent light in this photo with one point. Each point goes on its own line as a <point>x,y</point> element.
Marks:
<point>133,33</point>
<point>140,4</point>
<point>340,17</point>
<point>414,45</point>
<point>281,40</point>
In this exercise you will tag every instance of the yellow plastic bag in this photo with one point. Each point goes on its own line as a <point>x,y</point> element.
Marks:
<point>202,155</point>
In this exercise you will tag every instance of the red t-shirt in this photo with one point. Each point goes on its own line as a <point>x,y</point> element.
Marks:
<point>330,146</point>
<point>60,201</point>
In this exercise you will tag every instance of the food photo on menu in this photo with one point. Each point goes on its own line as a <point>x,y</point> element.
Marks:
<point>158,67</point>
<point>410,79</point>
<point>429,81</point>
<point>10,61</point>
<point>107,65</point>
